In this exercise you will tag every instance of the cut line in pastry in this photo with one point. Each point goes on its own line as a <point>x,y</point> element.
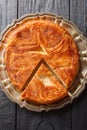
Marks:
<point>36,69</point>
<point>43,86</point>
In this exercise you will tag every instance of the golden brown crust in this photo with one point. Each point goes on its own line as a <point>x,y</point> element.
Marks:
<point>27,45</point>
<point>44,88</point>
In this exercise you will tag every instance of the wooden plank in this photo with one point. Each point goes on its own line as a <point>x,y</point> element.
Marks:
<point>53,119</point>
<point>8,12</point>
<point>78,14</point>
<point>7,108</point>
<point>60,7</point>
<point>59,119</point>
<point>79,112</point>
<point>86,17</point>
<point>27,120</point>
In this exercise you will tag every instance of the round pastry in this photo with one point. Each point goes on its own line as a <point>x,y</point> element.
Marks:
<point>41,60</point>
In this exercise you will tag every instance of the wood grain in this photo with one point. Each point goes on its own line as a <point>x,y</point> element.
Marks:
<point>78,14</point>
<point>72,117</point>
<point>57,120</point>
<point>7,108</point>
<point>60,7</point>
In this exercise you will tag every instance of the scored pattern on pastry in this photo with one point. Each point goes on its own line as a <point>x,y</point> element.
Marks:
<point>41,40</point>
<point>44,86</point>
<point>36,69</point>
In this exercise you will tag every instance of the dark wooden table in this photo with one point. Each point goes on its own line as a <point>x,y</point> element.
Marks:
<point>73,116</point>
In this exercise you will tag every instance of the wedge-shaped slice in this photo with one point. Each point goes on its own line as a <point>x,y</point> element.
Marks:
<point>67,75</point>
<point>44,87</point>
<point>65,61</point>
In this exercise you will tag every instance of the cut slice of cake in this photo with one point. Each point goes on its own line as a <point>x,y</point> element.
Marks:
<point>44,87</point>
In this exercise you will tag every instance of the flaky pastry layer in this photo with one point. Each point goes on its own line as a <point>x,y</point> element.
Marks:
<point>27,45</point>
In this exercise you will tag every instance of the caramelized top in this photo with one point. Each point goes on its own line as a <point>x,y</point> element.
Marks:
<point>27,45</point>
